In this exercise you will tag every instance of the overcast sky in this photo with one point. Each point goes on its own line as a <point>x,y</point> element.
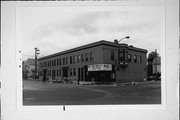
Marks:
<point>57,29</point>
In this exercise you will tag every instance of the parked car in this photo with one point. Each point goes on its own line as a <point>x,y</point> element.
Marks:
<point>156,77</point>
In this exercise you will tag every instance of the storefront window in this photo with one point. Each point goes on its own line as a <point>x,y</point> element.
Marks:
<point>57,72</point>
<point>60,72</point>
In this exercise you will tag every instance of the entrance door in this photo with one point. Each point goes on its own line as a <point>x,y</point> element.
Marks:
<point>79,75</point>
<point>53,74</point>
<point>82,75</point>
<point>44,73</point>
<point>65,72</point>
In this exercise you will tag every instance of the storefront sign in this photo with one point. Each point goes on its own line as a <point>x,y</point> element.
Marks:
<point>100,67</point>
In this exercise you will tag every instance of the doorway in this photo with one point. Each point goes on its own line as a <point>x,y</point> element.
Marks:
<point>53,74</point>
<point>65,72</point>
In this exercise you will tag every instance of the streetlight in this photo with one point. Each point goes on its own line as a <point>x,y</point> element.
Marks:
<point>117,62</point>
<point>117,41</point>
<point>36,53</point>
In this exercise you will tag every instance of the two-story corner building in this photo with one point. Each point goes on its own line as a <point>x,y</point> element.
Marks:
<point>101,61</point>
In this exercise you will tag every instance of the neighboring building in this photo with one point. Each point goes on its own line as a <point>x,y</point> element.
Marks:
<point>29,68</point>
<point>156,65</point>
<point>96,62</point>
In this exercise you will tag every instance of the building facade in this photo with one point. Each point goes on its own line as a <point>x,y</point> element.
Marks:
<point>156,64</point>
<point>102,61</point>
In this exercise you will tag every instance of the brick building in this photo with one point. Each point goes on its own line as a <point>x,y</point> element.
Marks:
<point>98,61</point>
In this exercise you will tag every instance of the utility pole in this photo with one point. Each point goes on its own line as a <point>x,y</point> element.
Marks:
<point>117,62</point>
<point>36,53</point>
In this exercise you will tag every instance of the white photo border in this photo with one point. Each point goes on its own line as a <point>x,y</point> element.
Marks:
<point>21,112</point>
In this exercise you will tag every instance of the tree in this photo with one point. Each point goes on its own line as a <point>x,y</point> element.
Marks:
<point>25,73</point>
<point>152,55</point>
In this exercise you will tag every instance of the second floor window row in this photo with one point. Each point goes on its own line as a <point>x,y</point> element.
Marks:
<point>68,60</point>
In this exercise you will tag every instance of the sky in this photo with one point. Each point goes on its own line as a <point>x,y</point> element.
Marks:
<point>55,29</point>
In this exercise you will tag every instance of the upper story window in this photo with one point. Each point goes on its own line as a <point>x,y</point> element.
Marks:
<point>129,57</point>
<point>86,57</point>
<point>50,63</point>
<point>122,55</point>
<point>135,58</point>
<point>44,64</point>
<point>91,56</point>
<point>140,59</point>
<point>40,65</point>
<point>78,58</point>
<point>66,60</point>
<point>70,59</point>
<point>82,57</point>
<point>75,59</point>
<point>57,61</point>
<point>112,55</point>
<point>63,61</point>
<point>60,61</point>
<point>54,62</point>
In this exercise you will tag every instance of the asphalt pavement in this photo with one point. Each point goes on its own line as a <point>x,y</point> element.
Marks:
<point>38,93</point>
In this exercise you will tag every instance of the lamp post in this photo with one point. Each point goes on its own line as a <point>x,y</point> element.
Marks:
<point>117,62</point>
<point>36,53</point>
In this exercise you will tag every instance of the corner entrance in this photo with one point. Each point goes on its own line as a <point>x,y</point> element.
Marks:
<point>101,73</point>
<point>101,76</point>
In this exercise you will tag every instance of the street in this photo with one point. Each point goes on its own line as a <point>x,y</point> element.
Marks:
<point>38,93</point>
